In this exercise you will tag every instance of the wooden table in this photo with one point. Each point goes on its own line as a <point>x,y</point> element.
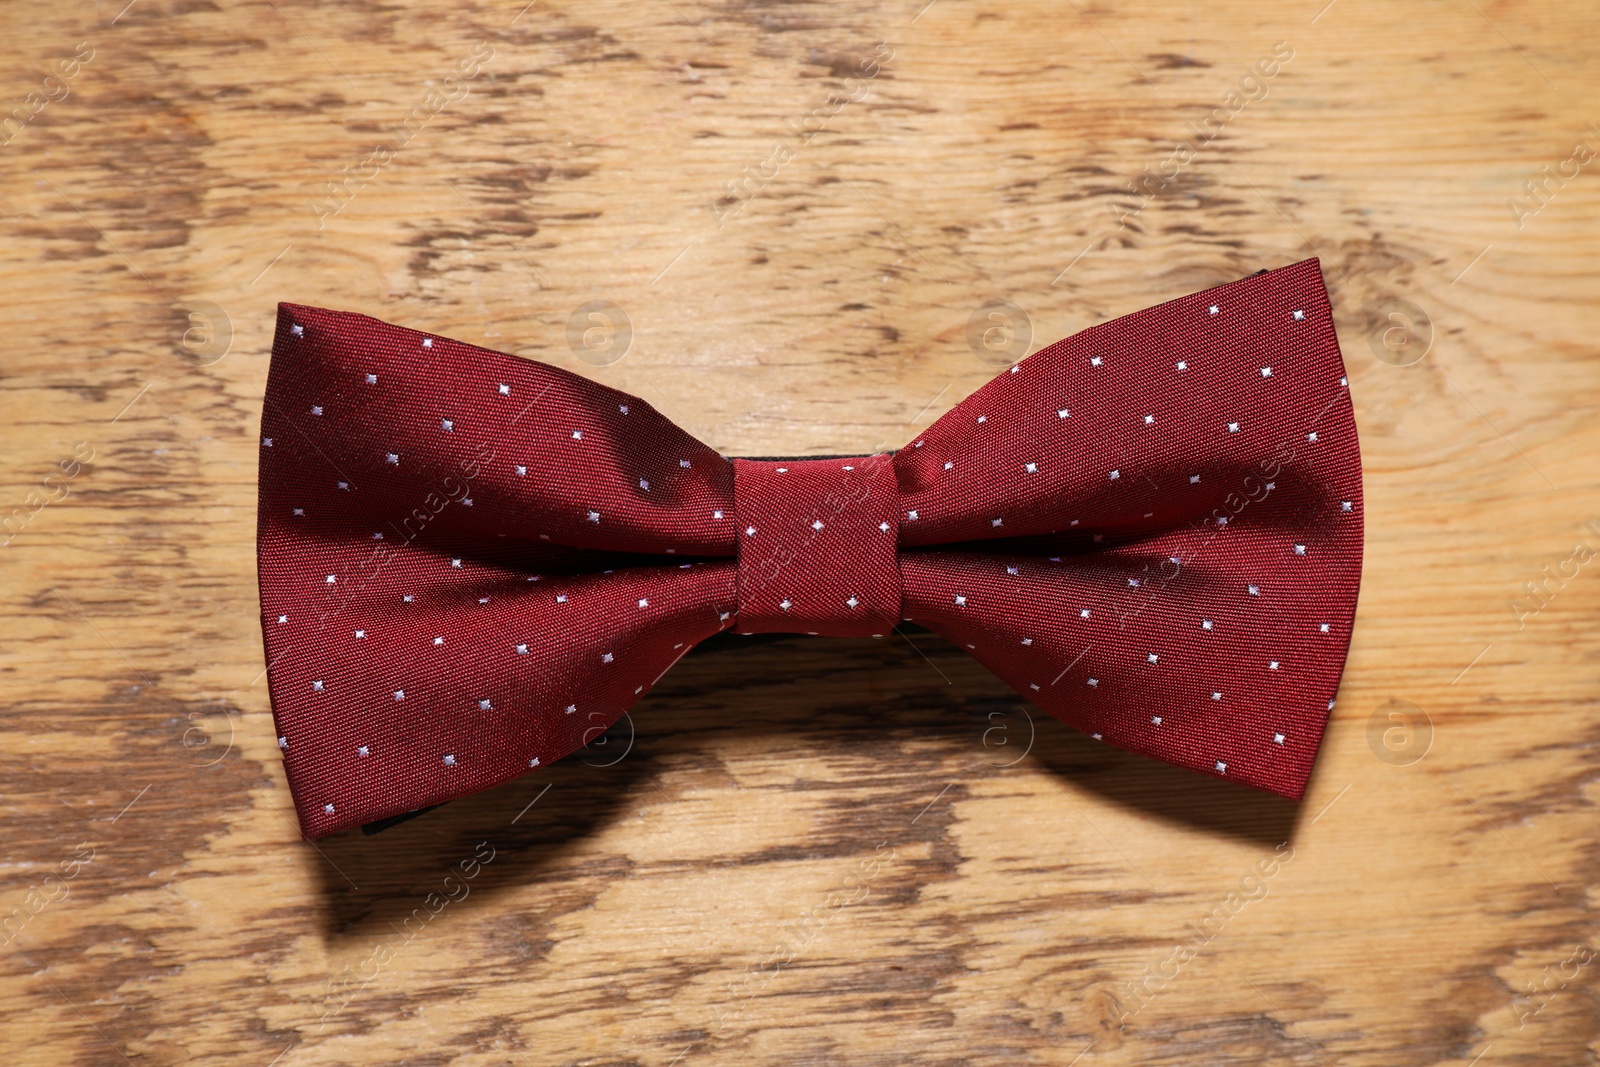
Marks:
<point>816,851</point>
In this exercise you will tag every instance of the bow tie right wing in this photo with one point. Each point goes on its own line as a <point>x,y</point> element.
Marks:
<point>1153,529</point>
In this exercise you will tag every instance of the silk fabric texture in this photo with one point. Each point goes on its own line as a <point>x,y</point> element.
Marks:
<point>471,563</point>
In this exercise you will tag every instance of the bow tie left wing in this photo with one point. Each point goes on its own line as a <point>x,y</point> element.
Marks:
<point>430,628</point>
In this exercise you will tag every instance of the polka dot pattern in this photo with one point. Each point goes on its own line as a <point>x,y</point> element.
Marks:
<point>472,563</point>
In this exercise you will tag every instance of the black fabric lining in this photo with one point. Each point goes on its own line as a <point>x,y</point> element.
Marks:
<point>797,459</point>
<point>381,825</point>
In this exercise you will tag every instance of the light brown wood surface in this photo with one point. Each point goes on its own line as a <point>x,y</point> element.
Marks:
<point>816,851</point>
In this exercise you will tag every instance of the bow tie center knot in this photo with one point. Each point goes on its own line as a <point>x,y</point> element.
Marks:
<point>818,542</point>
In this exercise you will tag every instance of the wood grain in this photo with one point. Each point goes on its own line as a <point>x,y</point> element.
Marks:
<point>812,851</point>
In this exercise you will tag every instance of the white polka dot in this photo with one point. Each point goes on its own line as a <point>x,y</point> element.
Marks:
<point>1277,739</point>
<point>607,658</point>
<point>522,650</point>
<point>427,342</point>
<point>1222,768</point>
<point>317,687</point>
<point>372,379</point>
<point>283,742</point>
<point>1212,309</point>
<point>594,516</point>
<point>912,515</point>
<point>399,694</point>
<point>1063,413</point>
<point>327,809</point>
<point>504,389</point>
<point>1233,427</point>
<point>1183,364</point>
<point>1205,624</point>
<point>1194,479</point>
<point>1324,627</point>
<point>297,329</point>
<point>449,761</point>
<point>960,600</point>
<point>1299,316</point>
<point>447,425</point>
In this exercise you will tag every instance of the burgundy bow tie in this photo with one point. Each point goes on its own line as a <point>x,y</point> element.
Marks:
<point>1151,530</point>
